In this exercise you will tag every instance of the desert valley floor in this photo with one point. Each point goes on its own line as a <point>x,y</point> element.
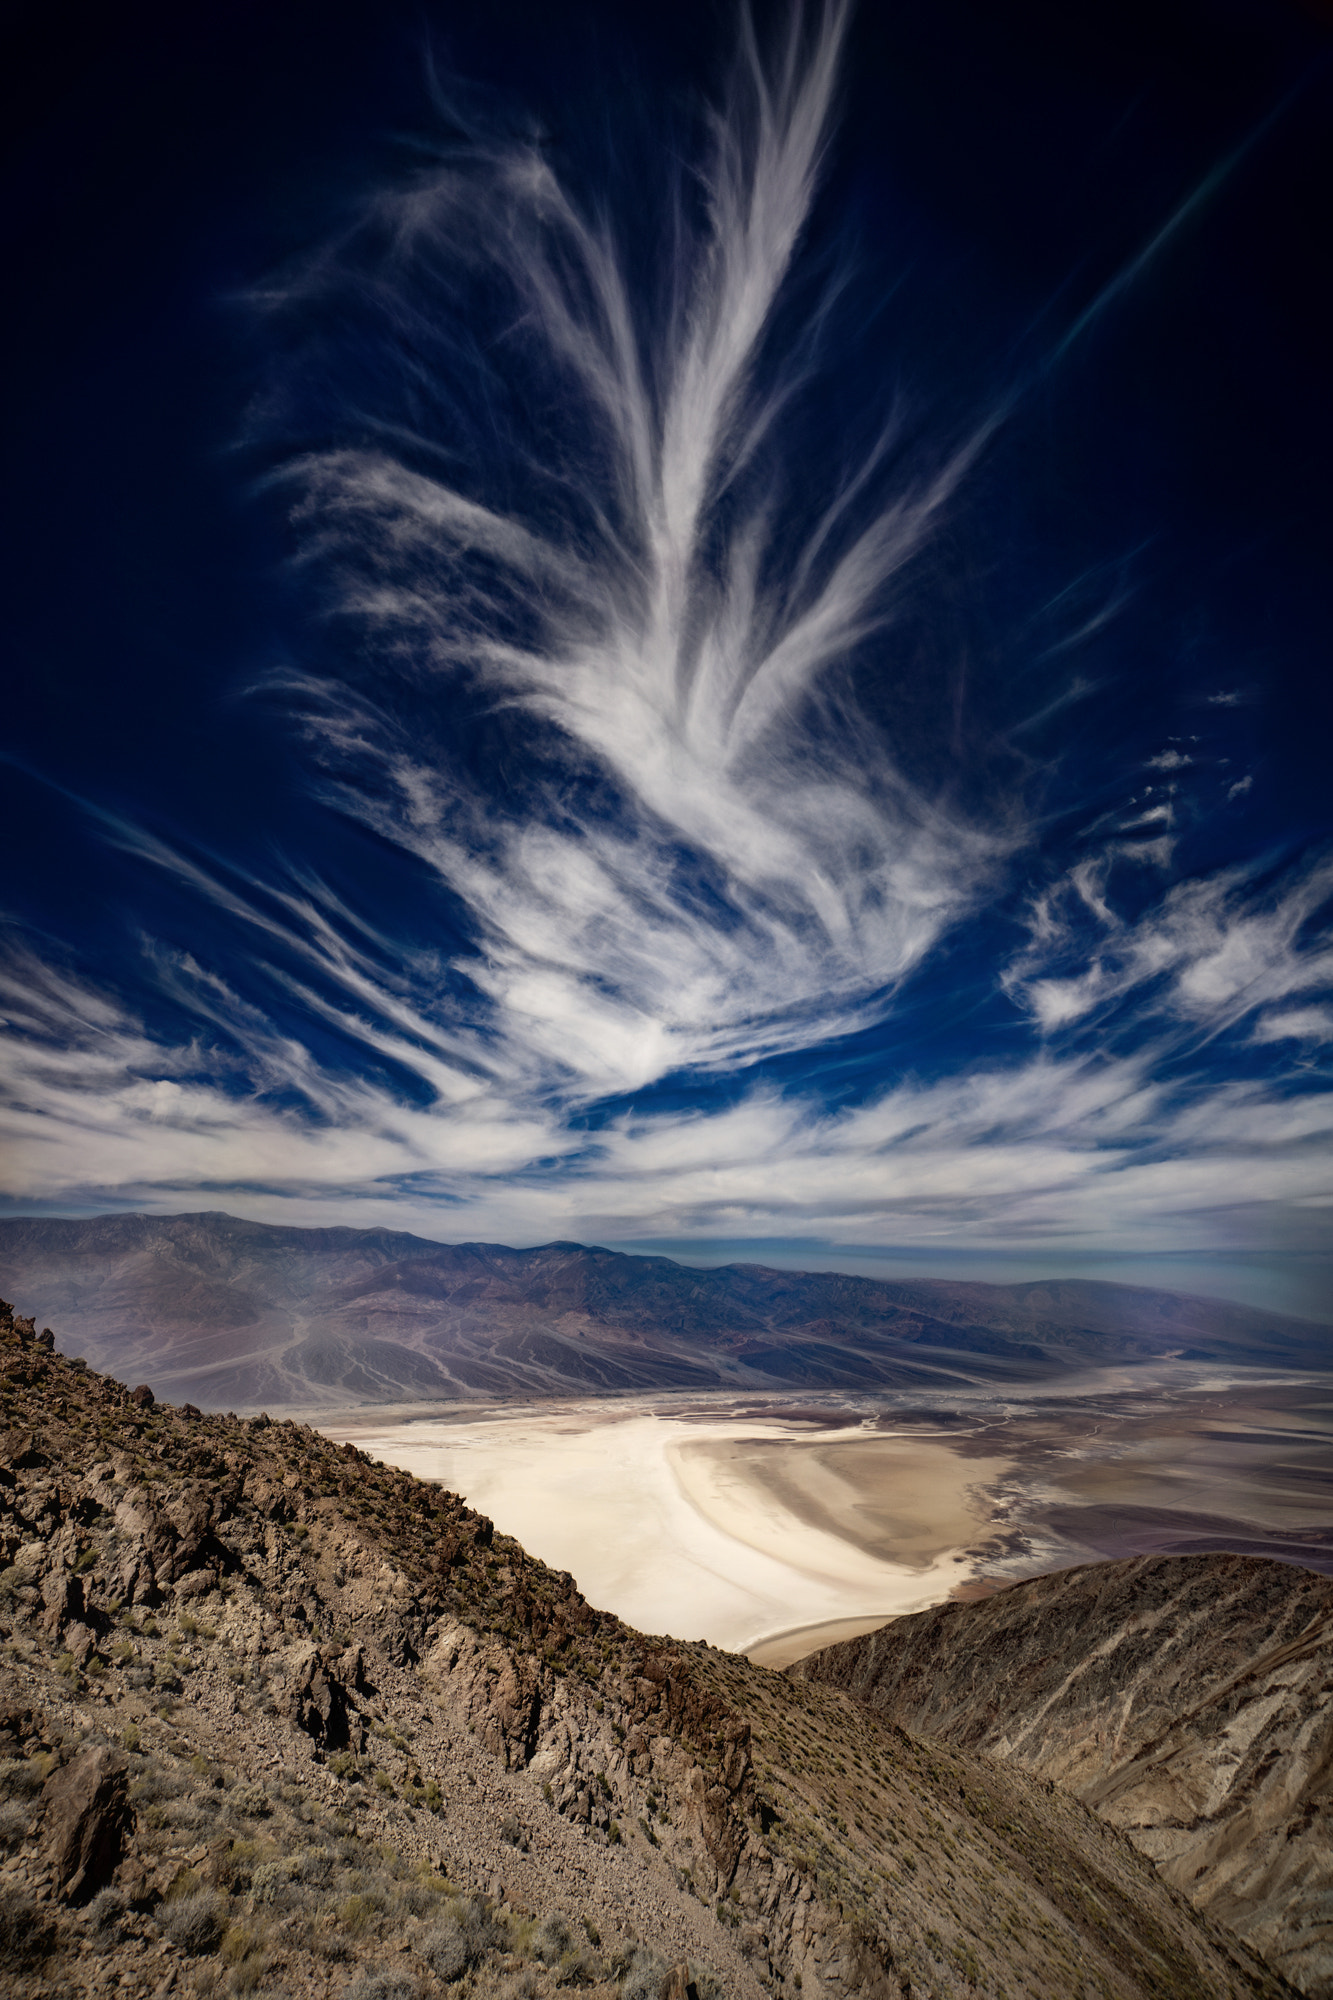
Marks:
<point>774,1525</point>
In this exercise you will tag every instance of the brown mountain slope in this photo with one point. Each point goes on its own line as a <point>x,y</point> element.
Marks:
<point>1189,1699</point>
<point>299,1724</point>
<point>247,1314</point>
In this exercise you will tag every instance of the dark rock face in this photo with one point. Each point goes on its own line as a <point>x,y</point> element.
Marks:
<point>220,1310</point>
<point>86,1821</point>
<point>1188,1699</point>
<point>320,1705</point>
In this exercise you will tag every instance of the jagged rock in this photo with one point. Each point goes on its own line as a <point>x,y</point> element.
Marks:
<point>18,1451</point>
<point>62,1597</point>
<point>319,1703</point>
<point>86,1819</point>
<point>678,1985</point>
<point>195,1583</point>
<point>1188,1699</point>
<point>80,1643</point>
<point>22,1729</point>
<point>142,1397</point>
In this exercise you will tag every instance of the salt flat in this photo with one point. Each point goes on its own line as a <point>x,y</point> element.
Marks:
<point>728,1527</point>
<point>772,1530</point>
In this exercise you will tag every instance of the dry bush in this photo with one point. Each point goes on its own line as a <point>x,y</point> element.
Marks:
<point>383,1986</point>
<point>644,1976</point>
<point>106,1912</point>
<point>27,1935</point>
<point>195,1923</point>
<point>466,1932</point>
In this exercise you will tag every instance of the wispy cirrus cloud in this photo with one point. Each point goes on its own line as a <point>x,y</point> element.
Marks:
<point>707,849</point>
<point>1208,952</point>
<point>1074,1150</point>
<point>611,631</point>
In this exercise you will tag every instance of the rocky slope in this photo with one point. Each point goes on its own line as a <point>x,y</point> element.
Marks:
<point>1189,1699</point>
<point>246,1314</point>
<point>280,1720</point>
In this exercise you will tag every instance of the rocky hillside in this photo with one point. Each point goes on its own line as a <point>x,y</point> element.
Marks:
<point>279,1720</point>
<point>245,1315</point>
<point>1189,1699</point>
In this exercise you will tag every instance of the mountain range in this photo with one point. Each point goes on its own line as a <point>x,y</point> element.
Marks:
<point>231,1313</point>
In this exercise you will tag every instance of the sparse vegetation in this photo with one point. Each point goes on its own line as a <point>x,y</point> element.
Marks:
<point>372,1670</point>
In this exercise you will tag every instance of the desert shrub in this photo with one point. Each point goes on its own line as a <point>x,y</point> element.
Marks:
<point>271,1882</point>
<point>195,1923</point>
<point>383,1986</point>
<point>21,1775</point>
<point>26,1932</point>
<point>358,1912</point>
<point>552,1940</point>
<point>524,1985</point>
<point>15,1820</point>
<point>644,1976</point>
<point>315,1865</point>
<point>192,1814</point>
<point>153,1785</point>
<point>423,1898</point>
<point>250,1800</point>
<point>247,1976</point>
<point>106,1912</point>
<point>464,1935</point>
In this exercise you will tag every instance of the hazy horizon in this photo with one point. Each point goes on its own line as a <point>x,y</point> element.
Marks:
<point>1300,1288</point>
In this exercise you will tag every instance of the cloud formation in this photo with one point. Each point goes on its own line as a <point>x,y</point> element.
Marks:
<point>711,851</point>
<point>612,628</point>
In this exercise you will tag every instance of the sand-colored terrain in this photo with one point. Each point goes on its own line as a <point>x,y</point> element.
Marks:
<point>755,1535</point>
<point>774,1530</point>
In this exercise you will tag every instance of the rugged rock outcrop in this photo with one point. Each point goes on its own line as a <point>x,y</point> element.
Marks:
<point>1188,1699</point>
<point>86,1821</point>
<point>367,1739</point>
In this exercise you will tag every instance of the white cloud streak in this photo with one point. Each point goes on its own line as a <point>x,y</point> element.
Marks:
<point>703,850</point>
<point>1075,1151</point>
<point>1210,952</point>
<point>755,871</point>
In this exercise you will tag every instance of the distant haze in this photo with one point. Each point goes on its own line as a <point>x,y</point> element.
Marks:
<point>1296,1283</point>
<point>234,1313</point>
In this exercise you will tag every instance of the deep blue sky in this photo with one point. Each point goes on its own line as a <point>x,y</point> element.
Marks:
<point>852,785</point>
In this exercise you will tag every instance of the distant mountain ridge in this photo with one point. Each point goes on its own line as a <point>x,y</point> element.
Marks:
<point>231,1313</point>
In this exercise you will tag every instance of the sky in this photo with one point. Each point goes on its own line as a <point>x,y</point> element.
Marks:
<point>698,630</point>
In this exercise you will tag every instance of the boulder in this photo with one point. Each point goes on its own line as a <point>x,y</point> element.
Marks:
<point>62,1599</point>
<point>196,1583</point>
<point>319,1703</point>
<point>86,1821</point>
